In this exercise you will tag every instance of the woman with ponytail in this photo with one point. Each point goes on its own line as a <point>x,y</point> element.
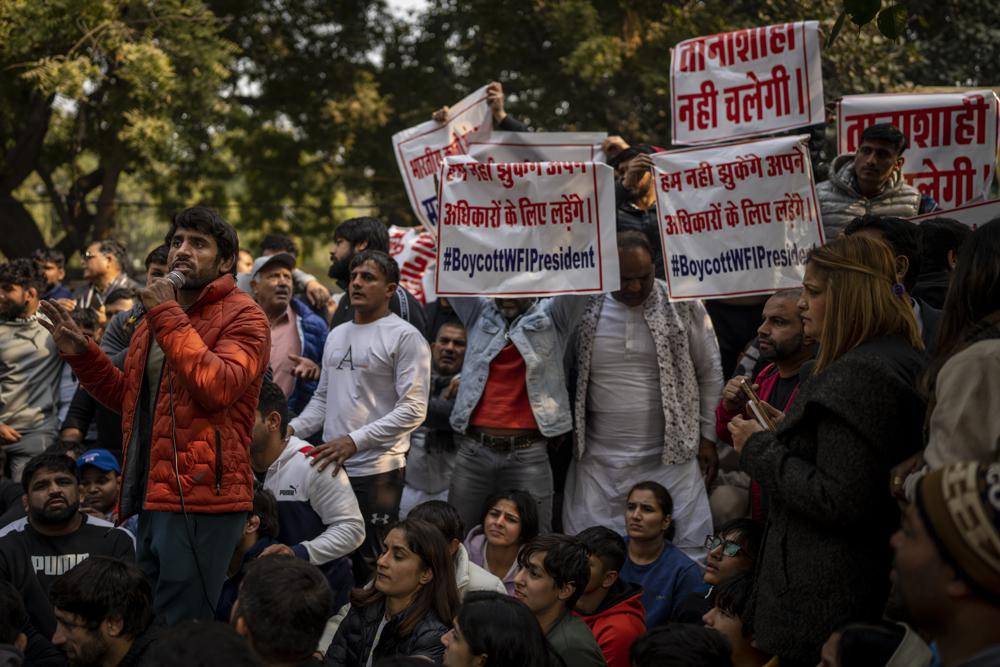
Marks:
<point>826,558</point>
<point>666,574</point>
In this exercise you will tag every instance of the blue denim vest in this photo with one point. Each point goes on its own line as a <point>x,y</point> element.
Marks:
<point>541,335</point>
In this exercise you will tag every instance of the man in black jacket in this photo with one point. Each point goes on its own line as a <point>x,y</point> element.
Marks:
<point>431,458</point>
<point>351,237</point>
<point>104,614</point>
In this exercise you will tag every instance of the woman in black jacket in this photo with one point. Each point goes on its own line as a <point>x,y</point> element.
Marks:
<point>409,607</point>
<point>826,557</point>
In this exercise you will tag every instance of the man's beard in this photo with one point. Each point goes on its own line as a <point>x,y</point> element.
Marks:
<point>340,270</point>
<point>91,653</point>
<point>782,351</point>
<point>12,311</point>
<point>54,517</point>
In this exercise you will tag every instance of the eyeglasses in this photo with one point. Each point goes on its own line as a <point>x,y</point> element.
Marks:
<point>729,548</point>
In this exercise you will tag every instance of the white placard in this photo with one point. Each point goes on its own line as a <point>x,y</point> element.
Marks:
<point>746,83</point>
<point>421,150</point>
<point>539,147</point>
<point>736,220</point>
<point>526,229</point>
<point>972,215</point>
<point>953,139</point>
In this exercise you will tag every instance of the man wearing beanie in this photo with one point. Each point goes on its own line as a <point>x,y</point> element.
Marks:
<point>947,563</point>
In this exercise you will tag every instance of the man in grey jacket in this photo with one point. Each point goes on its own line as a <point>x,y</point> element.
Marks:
<point>29,367</point>
<point>870,182</point>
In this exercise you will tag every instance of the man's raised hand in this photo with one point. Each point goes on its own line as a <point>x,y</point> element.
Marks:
<point>68,336</point>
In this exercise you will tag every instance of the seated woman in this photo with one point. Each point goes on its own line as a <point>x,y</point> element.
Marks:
<point>510,520</point>
<point>407,610</point>
<point>824,561</point>
<point>666,575</point>
<point>732,550</point>
<point>495,630</point>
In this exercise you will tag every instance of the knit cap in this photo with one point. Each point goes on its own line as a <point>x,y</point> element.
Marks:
<point>960,505</point>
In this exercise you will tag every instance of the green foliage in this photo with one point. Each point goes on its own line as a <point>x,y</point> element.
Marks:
<point>279,112</point>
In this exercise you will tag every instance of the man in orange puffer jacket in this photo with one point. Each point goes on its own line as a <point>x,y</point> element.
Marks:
<point>187,397</point>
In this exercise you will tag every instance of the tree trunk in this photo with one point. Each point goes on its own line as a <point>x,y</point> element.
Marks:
<point>21,235</point>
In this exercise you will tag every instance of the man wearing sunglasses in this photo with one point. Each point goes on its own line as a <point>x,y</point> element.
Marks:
<point>104,265</point>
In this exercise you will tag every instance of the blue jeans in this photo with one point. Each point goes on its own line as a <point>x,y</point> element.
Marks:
<point>481,471</point>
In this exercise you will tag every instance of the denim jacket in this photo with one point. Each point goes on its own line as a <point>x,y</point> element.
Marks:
<point>540,334</point>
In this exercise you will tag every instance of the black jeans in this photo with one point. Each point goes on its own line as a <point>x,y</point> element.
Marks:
<point>378,497</point>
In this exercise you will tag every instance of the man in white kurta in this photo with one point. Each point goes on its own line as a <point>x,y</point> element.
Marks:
<point>649,379</point>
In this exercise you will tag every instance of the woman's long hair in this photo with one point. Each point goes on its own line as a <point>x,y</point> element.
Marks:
<point>860,274</point>
<point>502,629</point>
<point>974,291</point>
<point>439,595</point>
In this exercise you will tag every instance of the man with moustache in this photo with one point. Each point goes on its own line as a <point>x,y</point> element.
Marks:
<point>297,333</point>
<point>372,394</point>
<point>786,348</point>
<point>187,396</point>
<point>54,537</point>
<point>432,446</point>
<point>29,367</point>
<point>648,377</point>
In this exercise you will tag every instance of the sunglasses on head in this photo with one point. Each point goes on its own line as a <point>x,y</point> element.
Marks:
<point>729,548</point>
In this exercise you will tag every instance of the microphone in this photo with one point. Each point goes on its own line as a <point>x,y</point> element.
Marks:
<point>176,278</point>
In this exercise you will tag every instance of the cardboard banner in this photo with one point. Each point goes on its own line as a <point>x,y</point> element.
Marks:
<point>539,147</point>
<point>526,229</point>
<point>421,150</point>
<point>953,139</point>
<point>413,248</point>
<point>972,215</point>
<point>746,83</point>
<point>736,220</point>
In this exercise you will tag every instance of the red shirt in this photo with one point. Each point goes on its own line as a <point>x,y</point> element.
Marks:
<point>504,403</point>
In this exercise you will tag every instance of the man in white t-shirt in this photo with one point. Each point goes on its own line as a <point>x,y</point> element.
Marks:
<point>372,393</point>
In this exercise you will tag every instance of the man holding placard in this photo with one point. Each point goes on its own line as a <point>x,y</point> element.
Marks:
<point>518,232</point>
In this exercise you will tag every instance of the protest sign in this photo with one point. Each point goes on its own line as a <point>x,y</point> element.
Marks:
<point>413,249</point>
<point>953,139</point>
<point>737,219</point>
<point>539,147</point>
<point>420,150</point>
<point>526,229</point>
<point>972,215</point>
<point>746,83</point>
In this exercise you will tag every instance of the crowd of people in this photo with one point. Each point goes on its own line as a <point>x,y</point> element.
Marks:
<point>223,463</point>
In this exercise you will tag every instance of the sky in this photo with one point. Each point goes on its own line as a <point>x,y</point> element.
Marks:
<point>404,7</point>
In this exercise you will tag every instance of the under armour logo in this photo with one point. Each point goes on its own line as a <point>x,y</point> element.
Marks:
<point>380,519</point>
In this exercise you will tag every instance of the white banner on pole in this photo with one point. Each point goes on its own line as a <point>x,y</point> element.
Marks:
<point>539,147</point>
<point>526,229</point>
<point>420,151</point>
<point>746,83</point>
<point>953,139</point>
<point>972,215</point>
<point>736,220</point>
